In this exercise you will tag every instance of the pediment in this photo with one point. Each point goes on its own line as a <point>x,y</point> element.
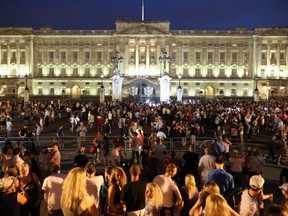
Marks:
<point>276,32</point>
<point>143,29</point>
<point>13,31</point>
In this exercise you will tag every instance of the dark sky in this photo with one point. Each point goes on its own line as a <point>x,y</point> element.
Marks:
<point>182,14</point>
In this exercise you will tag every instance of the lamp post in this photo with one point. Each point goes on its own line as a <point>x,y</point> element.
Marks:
<point>117,59</point>
<point>165,59</point>
<point>256,91</point>
<point>179,89</point>
<point>102,89</point>
<point>26,90</point>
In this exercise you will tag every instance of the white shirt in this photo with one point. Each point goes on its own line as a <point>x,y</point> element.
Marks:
<point>168,186</point>
<point>206,164</point>
<point>93,188</point>
<point>53,184</point>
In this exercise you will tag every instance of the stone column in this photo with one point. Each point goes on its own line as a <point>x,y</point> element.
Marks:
<point>117,87</point>
<point>164,88</point>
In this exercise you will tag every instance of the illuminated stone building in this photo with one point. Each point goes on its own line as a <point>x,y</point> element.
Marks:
<point>210,63</point>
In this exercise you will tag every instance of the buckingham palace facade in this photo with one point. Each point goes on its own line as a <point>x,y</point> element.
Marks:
<point>205,63</point>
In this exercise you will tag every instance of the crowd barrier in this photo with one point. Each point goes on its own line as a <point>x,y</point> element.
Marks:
<point>72,143</point>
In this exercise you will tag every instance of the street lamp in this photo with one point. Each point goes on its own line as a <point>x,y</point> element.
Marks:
<point>117,59</point>
<point>26,90</point>
<point>102,89</point>
<point>26,82</point>
<point>164,59</point>
<point>179,89</point>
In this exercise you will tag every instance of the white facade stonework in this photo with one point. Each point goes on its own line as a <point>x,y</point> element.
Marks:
<point>212,63</point>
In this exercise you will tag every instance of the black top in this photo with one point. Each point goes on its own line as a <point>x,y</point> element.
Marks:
<point>81,160</point>
<point>133,194</point>
<point>9,204</point>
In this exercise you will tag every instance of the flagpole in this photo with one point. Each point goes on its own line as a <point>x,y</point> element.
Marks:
<point>142,10</point>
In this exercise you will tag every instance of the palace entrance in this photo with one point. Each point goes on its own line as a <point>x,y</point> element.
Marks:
<point>141,89</point>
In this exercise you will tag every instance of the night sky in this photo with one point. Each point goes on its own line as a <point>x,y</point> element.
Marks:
<point>182,14</point>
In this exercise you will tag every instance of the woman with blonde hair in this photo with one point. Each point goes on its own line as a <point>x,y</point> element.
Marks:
<point>74,199</point>
<point>189,195</point>
<point>217,205</point>
<point>208,189</point>
<point>154,200</point>
<point>117,181</point>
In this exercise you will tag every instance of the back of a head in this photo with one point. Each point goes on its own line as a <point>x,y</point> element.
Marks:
<point>135,170</point>
<point>216,205</point>
<point>55,168</point>
<point>211,187</point>
<point>220,159</point>
<point>171,167</point>
<point>90,168</point>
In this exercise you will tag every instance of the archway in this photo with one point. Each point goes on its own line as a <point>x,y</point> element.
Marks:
<point>209,92</point>
<point>76,93</point>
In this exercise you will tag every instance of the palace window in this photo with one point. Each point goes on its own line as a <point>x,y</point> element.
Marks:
<point>51,56</point>
<point>4,57</point>
<point>234,57</point>
<point>87,72</point>
<point>75,56</point>
<point>52,92</point>
<point>222,73</point>
<point>234,73</point>
<point>40,91</point>
<point>63,72</point>
<point>264,55</point>
<point>186,56</point>
<point>99,56</point>
<point>51,72</point>
<point>173,56</point>
<point>63,56</point>
<point>22,58</point>
<point>87,56</point>
<point>210,56</point>
<point>198,72</point>
<point>75,72</point>
<point>198,56</point>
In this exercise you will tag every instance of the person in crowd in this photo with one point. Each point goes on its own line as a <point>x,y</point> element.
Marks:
<point>81,159</point>
<point>106,127</point>
<point>94,184</point>
<point>223,179</point>
<point>154,200</point>
<point>17,160</point>
<point>6,157</point>
<point>284,190</point>
<point>60,136</point>
<point>191,161</point>
<point>116,155</point>
<point>9,126</point>
<point>30,182</point>
<point>151,167</point>
<point>117,182</point>
<point>33,160</point>
<point>106,149</point>
<point>95,148</point>
<point>217,205</point>
<point>275,210</point>
<point>158,149</point>
<point>135,145</point>
<point>256,162</point>
<point>236,163</point>
<point>75,199</point>
<point>206,164</point>
<point>272,144</point>
<point>252,198</point>
<point>10,198</point>
<point>189,195</point>
<point>81,131</point>
<point>208,189</point>
<point>169,187</point>
<point>38,132</point>
<point>52,187</point>
<point>283,150</point>
<point>72,123</point>
<point>55,155</point>
<point>133,193</point>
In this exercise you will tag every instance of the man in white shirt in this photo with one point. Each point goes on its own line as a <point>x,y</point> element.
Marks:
<point>206,164</point>
<point>52,187</point>
<point>169,187</point>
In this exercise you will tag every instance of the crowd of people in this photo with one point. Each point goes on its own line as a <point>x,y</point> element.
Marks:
<point>150,182</point>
